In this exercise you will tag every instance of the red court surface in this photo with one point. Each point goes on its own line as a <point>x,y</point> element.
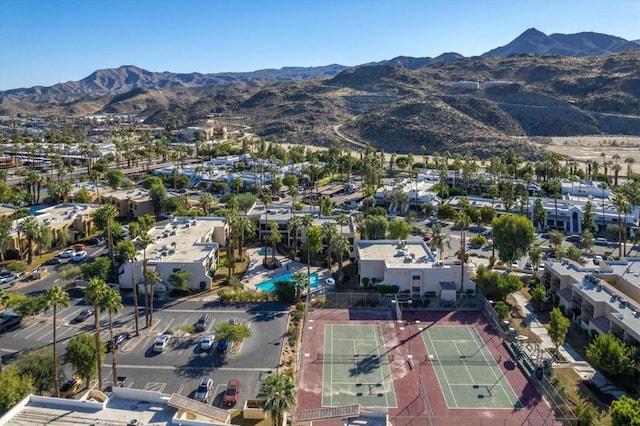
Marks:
<point>400,340</point>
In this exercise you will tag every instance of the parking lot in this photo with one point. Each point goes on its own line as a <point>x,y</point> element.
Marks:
<point>183,363</point>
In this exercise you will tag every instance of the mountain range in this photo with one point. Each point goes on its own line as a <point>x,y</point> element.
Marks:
<point>577,84</point>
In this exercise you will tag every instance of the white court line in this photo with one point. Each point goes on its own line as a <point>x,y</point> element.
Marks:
<point>435,352</point>
<point>382,379</point>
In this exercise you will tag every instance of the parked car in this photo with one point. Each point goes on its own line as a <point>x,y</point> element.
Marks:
<point>166,216</point>
<point>428,236</point>
<point>83,315</point>
<point>95,241</point>
<point>8,321</point>
<point>203,322</point>
<point>67,253</point>
<point>117,340</point>
<point>204,389</point>
<point>79,256</point>
<point>597,259</point>
<point>207,342</point>
<point>233,321</point>
<point>601,241</point>
<point>161,343</point>
<point>71,386</point>
<point>233,392</point>
<point>222,345</point>
<point>7,277</point>
<point>57,260</point>
<point>528,266</point>
<point>515,264</point>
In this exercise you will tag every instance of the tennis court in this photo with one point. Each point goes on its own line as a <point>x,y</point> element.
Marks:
<point>355,367</point>
<point>467,372</point>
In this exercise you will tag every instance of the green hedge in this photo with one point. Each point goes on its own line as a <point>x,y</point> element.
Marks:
<point>387,289</point>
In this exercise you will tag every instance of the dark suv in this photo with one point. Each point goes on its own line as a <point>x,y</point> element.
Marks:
<point>202,323</point>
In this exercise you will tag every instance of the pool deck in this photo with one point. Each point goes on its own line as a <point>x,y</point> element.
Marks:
<point>257,273</point>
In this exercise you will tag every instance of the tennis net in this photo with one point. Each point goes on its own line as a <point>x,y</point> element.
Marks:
<point>357,358</point>
<point>462,360</point>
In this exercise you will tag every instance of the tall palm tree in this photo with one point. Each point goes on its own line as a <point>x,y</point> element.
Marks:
<point>153,277</point>
<point>629,161</point>
<point>206,200</point>
<point>32,231</point>
<point>621,203</point>
<point>329,232</point>
<point>342,219</point>
<point>307,221</point>
<point>340,246</point>
<point>103,218</point>
<point>266,199</point>
<point>279,393</point>
<point>128,251</point>
<point>56,298</point>
<point>293,226</point>
<point>112,302</point>
<point>440,240</point>
<point>143,242</point>
<point>274,237</point>
<point>95,292</point>
<point>462,221</point>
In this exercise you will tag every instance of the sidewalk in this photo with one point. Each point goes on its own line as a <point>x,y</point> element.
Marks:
<point>573,359</point>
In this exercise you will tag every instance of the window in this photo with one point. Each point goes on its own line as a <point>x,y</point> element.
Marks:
<point>415,289</point>
<point>416,277</point>
<point>176,270</point>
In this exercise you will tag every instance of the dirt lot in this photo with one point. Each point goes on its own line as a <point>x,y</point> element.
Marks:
<point>583,148</point>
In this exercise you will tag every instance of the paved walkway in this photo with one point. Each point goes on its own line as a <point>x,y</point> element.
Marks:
<point>574,360</point>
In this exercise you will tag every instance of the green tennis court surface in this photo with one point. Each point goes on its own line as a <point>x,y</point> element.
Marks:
<point>467,372</point>
<point>355,367</point>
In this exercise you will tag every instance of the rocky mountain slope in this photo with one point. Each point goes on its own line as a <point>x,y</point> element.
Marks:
<point>533,41</point>
<point>406,104</point>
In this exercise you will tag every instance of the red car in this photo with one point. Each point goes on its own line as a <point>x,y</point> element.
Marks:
<point>428,237</point>
<point>232,393</point>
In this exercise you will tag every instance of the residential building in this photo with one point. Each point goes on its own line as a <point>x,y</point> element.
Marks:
<point>603,298</point>
<point>77,219</point>
<point>186,243</point>
<point>412,267</point>
<point>124,406</point>
<point>281,216</point>
<point>131,203</point>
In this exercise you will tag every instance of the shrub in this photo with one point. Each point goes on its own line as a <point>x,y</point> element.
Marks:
<point>18,267</point>
<point>502,309</point>
<point>387,289</point>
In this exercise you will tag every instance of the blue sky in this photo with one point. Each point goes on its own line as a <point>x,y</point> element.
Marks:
<point>43,42</point>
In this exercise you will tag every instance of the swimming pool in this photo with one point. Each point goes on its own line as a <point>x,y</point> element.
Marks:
<point>269,285</point>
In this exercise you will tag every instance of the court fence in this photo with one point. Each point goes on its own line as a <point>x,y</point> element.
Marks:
<point>427,301</point>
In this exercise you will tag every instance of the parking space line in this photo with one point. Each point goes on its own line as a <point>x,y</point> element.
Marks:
<point>164,330</point>
<point>36,332</point>
<point>24,330</point>
<point>155,386</point>
<point>74,312</point>
<point>208,330</point>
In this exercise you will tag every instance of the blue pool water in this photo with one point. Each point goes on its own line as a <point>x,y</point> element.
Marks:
<point>268,286</point>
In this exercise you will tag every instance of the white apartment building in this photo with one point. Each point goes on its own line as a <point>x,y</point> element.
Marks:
<point>411,266</point>
<point>602,298</point>
<point>186,243</point>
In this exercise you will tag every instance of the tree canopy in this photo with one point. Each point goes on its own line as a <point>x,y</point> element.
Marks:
<point>611,356</point>
<point>512,236</point>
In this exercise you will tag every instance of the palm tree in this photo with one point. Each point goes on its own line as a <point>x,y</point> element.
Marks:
<point>340,246</point>
<point>629,161</point>
<point>266,199</point>
<point>307,221</point>
<point>129,253</point>
<point>535,256</point>
<point>112,302</point>
<point>153,277</point>
<point>462,221</point>
<point>622,205</point>
<point>143,242</point>
<point>329,232</point>
<point>274,237</point>
<point>342,219</point>
<point>32,231</point>
<point>95,292</point>
<point>56,298</point>
<point>279,393</point>
<point>440,239</point>
<point>293,225</point>
<point>206,200</point>
<point>103,218</point>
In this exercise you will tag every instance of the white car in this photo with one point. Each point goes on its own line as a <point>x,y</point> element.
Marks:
<point>597,259</point>
<point>515,264</point>
<point>79,256</point>
<point>207,342</point>
<point>67,253</point>
<point>161,343</point>
<point>601,241</point>
<point>7,277</point>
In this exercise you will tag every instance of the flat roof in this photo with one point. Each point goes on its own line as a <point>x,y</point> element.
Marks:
<point>184,239</point>
<point>397,254</point>
<point>137,194</point>
<point>61,213</point>
<point>55,411</point>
